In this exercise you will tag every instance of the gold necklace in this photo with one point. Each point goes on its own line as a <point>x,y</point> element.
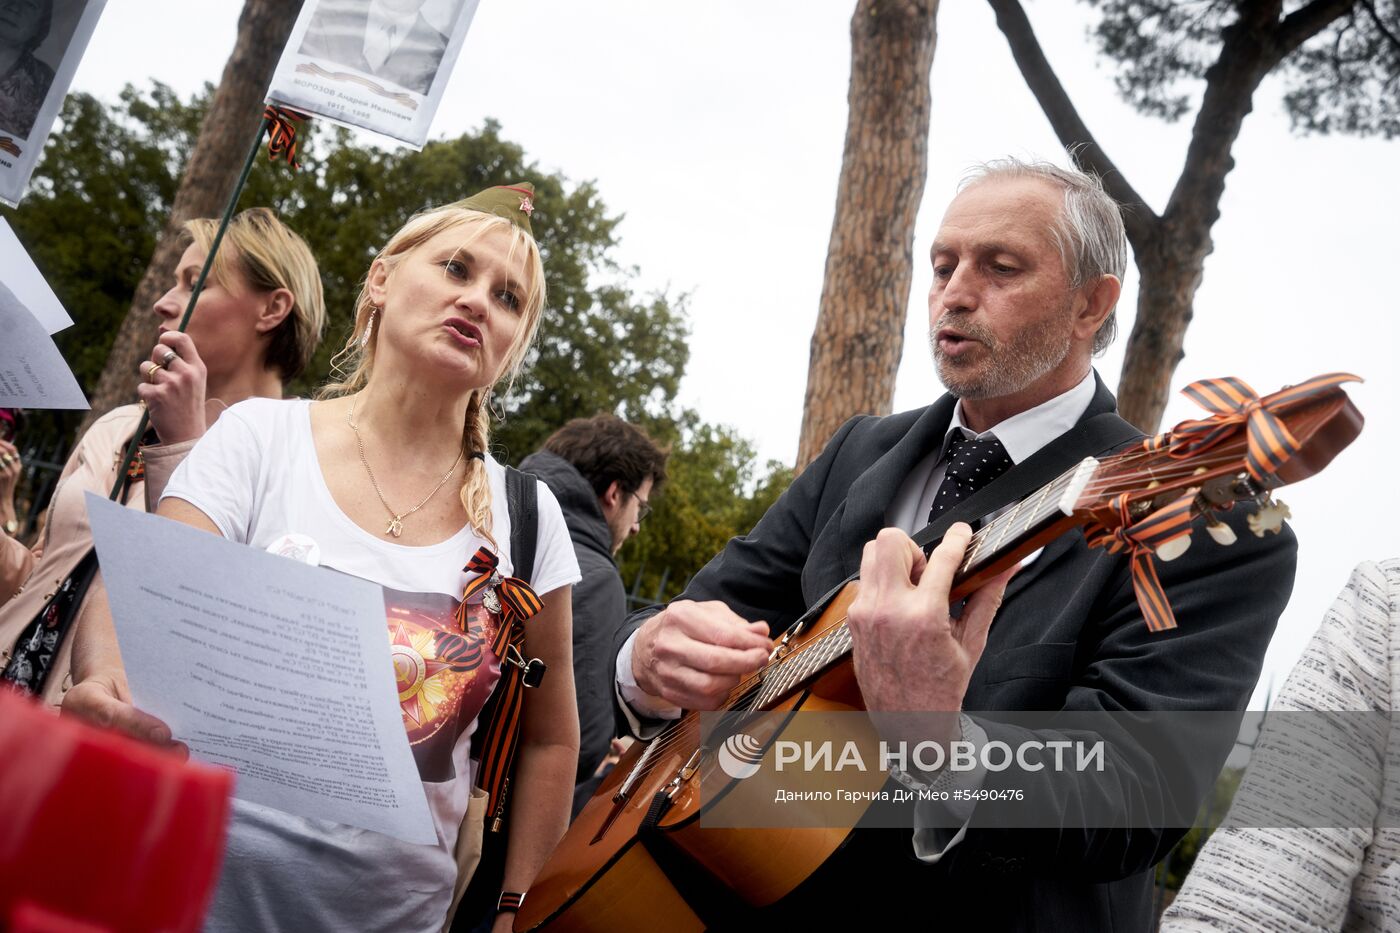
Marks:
<point>395,526</point>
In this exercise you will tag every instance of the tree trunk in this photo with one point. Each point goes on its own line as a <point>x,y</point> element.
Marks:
<point>1172,266</point>
<point>1166,292</point>
<point>213,168</point>
<point>860,325</point>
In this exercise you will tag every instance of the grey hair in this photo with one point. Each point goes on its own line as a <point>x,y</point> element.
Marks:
<point>1089,232</point>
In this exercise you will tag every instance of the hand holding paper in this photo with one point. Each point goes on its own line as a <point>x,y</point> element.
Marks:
<point>271,667</point>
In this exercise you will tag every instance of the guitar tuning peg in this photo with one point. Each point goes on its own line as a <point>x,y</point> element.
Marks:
<point>1220,532</point>
<point>1171,550</point>
<point>1270,517</point>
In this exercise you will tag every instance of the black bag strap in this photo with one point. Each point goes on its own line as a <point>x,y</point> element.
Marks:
<point>522,500</point>
<point>480,897</point>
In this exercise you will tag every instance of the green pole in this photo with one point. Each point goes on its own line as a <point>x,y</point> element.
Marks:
<point>229,210</point>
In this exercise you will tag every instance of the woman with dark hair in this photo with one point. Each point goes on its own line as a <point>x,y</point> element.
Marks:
<point>24,80</point>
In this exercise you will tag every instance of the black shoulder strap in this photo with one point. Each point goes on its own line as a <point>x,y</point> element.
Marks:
<point>479,899</point>
<point>1085,439</point>
<point>522,499</point>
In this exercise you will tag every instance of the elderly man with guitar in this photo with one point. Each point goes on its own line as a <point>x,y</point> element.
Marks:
<point>1027,268</point>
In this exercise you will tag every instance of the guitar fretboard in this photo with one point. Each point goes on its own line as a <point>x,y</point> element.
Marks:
<point>999,535</point>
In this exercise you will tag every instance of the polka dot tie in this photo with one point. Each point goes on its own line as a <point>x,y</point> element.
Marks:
<point>972,464</point>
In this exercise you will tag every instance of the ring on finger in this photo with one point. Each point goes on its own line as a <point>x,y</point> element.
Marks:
<point>170,356</point>
<point>6,459</point>
<point>149,370</point>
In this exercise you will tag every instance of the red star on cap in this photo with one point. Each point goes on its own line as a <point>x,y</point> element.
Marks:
<point>527,206</point>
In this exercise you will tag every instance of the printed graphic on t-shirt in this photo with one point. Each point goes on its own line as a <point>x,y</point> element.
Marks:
<point>443,675</point>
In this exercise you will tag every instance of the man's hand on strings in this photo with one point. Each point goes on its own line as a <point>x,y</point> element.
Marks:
<point>693,654</point>
<point>910,654</point>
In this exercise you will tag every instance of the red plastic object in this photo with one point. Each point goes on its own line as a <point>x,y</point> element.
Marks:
<point>99,832</point>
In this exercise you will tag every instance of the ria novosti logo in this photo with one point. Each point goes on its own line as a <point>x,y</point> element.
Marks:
<point>740,756</point>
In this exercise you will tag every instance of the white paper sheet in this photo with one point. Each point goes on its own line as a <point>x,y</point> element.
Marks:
<point>33,374</point>
<point>349,63</point>
<point>266,665</point>
<point>24,279</point>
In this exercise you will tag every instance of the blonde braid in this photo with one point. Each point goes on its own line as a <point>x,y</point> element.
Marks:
<point>476,483</point>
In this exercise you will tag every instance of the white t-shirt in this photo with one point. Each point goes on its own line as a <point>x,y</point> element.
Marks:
<point>257,477</point>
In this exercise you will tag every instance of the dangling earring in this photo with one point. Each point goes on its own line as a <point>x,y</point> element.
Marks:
<point>369,327</point>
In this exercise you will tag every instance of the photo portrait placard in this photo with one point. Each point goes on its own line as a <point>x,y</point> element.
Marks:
<point>41,43</point>
<point>380,65</point>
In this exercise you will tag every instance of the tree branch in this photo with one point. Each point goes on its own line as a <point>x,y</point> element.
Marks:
<point>1139,219</point>
<point>1304,23</point>
<point>1380,24</point>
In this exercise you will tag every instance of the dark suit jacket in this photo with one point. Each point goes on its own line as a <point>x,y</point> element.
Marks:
<point>337,33</point>
<point>1069,636</point>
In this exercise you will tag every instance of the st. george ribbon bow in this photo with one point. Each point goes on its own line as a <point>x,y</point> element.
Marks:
<point>1140,539</point>
<point>1231,401</point>
<point>500,731</point>
<point>282,134</point>
<point>518,600</point>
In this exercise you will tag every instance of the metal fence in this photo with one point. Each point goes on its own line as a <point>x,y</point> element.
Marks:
<point>636,599</point>
<point>42,462</point>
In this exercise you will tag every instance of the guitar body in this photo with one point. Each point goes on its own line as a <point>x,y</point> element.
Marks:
<point>692,876</point>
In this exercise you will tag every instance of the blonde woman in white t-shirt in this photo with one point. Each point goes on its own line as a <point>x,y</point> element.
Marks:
<point>363,478</point>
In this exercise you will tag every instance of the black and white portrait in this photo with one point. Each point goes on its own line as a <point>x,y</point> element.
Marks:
<point>34,35</point>
<point>41,44</point>
<point>401,41</point>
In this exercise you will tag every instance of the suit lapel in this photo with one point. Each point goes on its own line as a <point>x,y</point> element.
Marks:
<point>869,496</point>
<point>863,512</point>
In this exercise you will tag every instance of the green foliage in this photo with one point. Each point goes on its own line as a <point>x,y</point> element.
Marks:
<point>109,175</point>
<point>713,492</point>
<point>1345,78</point>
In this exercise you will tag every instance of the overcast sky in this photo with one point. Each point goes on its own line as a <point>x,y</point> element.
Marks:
<point>717,129</point>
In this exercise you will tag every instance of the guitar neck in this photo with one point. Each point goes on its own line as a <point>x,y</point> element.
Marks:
<point>1018,531</point>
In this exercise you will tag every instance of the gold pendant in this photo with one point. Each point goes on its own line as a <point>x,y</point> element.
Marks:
<point>395,528</point>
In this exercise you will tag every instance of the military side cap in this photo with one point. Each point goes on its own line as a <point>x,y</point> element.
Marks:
<point>513,202</point>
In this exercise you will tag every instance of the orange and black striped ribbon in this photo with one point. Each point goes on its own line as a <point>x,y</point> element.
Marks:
<point>282,134</point>
<point>501,735</point>
<point>1269,442</point>
<point>1139,539</point>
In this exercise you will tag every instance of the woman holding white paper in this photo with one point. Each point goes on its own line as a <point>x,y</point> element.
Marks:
<point>362,481</point>
<point>255,326</point>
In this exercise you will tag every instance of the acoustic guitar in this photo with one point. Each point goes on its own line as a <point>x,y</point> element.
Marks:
<point>637,857</point>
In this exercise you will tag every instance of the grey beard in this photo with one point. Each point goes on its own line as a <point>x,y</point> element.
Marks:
<point>1014,365</point>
